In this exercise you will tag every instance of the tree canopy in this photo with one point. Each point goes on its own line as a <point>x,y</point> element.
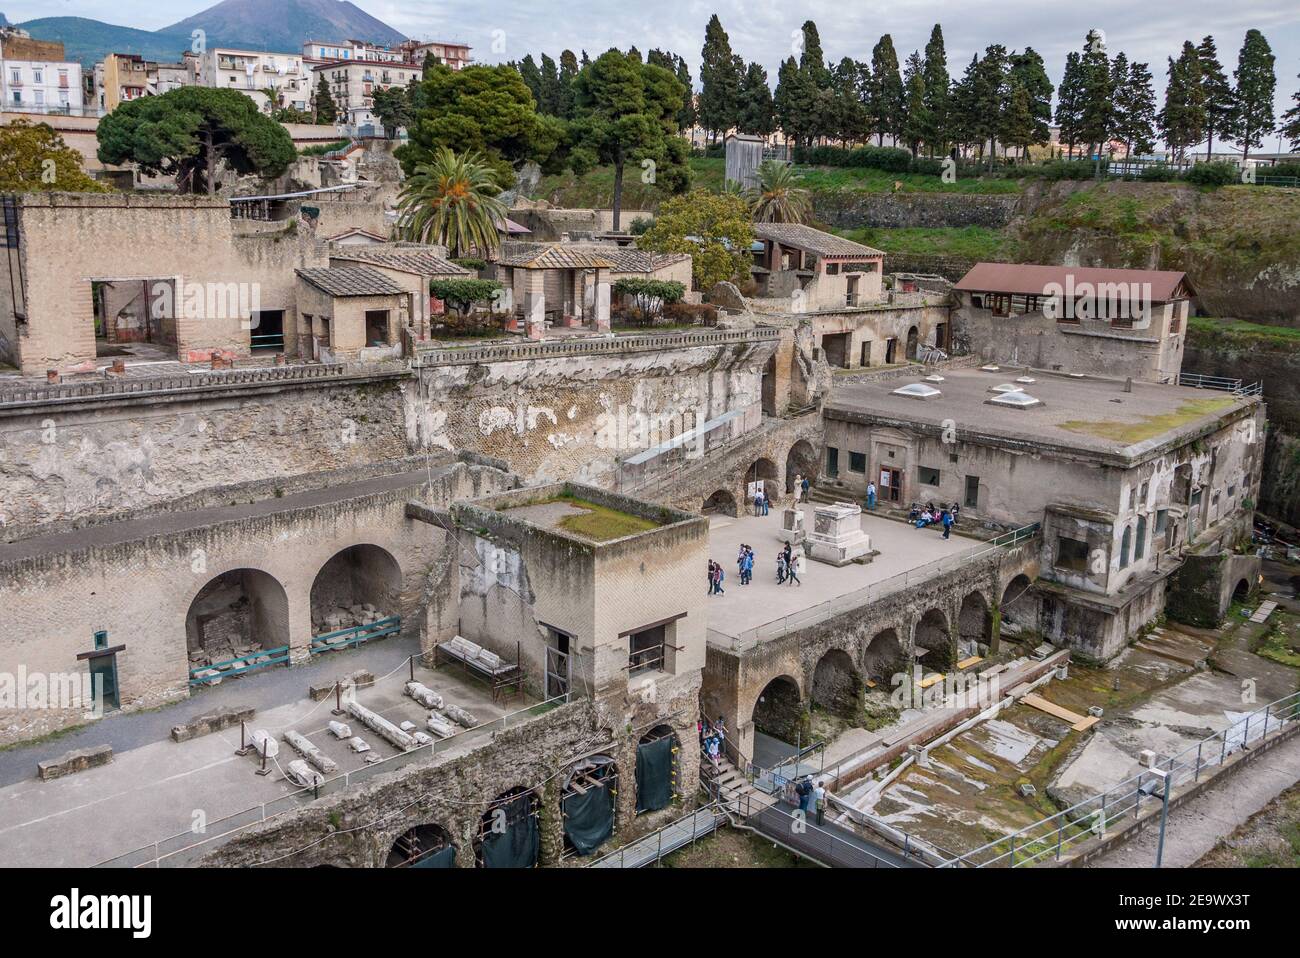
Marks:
<point>188,132</point>
<point>715,229</point>
<point>34,158</point>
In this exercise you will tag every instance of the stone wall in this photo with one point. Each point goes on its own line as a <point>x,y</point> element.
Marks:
<point>849,209</point>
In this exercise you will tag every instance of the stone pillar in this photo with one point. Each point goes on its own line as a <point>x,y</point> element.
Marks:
<point>602,300</point>
<point>577,283</point>
<point>299,623</point>
<point>535,304</point>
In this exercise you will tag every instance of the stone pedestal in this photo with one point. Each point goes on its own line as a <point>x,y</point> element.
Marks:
<point>792,526</point>
<point>602,301</point>
<point>837,537</point>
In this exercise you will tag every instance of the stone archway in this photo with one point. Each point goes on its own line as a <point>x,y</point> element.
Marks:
<point>235,615</point>
<point>762,470</point>
<point>1019,607</point>
<point>779,708</point>
<point>722,503</point>
<point>837,685</point>
<point>424,846</point>
<point>358,585</point>
<point>801,460</point>
<point>883,657</point>
<point>1242,591</point>
<point>913,342</point>
<point>933,635</point>
<point>974,624</point>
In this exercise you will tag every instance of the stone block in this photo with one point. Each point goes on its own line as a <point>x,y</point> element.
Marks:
<point>77,760</point>
<point>837,537</point>
<point>222,718</point>
<point>792,526</point>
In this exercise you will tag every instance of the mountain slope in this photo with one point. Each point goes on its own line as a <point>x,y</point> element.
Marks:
<point>284,24</point>
<point>86,41</point>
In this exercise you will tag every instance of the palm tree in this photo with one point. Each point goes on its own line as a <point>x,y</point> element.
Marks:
<point>778,198</point>
<point>452,201</point>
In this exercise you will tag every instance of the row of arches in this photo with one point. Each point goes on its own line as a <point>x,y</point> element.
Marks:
<point>508,833</point>
<point>801,461</point>
<point>245,610</point>
<point>838,680</point>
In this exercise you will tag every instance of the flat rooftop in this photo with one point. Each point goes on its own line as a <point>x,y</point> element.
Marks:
<point>579,517</point>
<point>757,606</point>
<point>1076,413</point>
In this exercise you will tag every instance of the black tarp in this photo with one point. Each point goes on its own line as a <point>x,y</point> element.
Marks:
<point>654,774</point>
<point>517,846</point>
<point>443,858</point>
<point>589,818</point>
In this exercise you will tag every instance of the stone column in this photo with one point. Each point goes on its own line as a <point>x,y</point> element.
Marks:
<point>535,304</point>
<point>577,283</point>
<point>602,300</point>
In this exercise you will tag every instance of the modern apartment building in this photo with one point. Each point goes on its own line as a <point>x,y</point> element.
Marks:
<point>272,80</point>
<point>35,76</point>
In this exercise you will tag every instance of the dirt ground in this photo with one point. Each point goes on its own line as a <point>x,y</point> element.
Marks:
<point>1268,839</point>
<point>734,848</point>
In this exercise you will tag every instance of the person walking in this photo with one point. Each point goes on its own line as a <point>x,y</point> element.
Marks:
<point>806,486</point>
<point>947,523</point>
<point>780,568</point>
<point>871,495</point>
<point>796,566</point>
<point>766,502</point>
<point>819,803</point>
<point>711,583</point>
<point>717,571</point>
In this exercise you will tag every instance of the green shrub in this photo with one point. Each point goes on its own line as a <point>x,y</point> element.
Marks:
<point>640,225</point>
<point>321,149</point>
<point>651,295</point>
<point>460,294</point>
<point>469,262</point>
<point>1213,174</point>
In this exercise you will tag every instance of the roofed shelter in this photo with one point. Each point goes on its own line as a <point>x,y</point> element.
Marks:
<point>412,266</point>
<point>350,313</point>
<point>828,271</point>
<point>1115,322</point>
<point>557,285</point>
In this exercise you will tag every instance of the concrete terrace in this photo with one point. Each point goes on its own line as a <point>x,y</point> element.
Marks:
<point>1076,413</point>
<point>903,549</point>
<point>155,790</point>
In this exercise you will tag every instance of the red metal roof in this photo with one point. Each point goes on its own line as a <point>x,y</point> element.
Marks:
<point>1027,279</point>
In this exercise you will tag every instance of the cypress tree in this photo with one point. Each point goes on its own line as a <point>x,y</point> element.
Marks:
<point>887,95</point>
<point>1182,121</point>
<point>1218,93</point>
<point>1252,113</point>
<point>937,92</point>
<point>719,102</point>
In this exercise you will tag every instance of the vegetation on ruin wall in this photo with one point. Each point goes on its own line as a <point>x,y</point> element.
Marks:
<point>1148,427</point>
<point>1235,231</point>
<point>970,242</point>
<point>1228,334</point>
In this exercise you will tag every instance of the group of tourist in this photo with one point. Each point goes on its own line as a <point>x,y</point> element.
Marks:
<point>712,737</point>
<point>761,501</point>
<point>716,575</point>
<point>944,515</point>
<point>812,797</point>
<point>745,564</point>
<point>788,565</point>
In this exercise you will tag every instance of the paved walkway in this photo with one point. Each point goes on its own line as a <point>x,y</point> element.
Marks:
<point>1196,826</point>
<point>902,548</point>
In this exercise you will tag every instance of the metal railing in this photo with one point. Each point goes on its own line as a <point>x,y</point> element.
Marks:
<point>1053,837</point>
<point>261,659</point>
<point>874,592</point>
<point>508,352</point>
<point>1235,386</point>
<point>184,848</point>
<point>357,634</point>
<point>675,833</point>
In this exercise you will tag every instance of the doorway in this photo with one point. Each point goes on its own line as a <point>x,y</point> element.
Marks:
<point>377,327</point>
<point>558,663</point>
<point>891,484</point>
<point>267,331</point>
<point>891,351</point>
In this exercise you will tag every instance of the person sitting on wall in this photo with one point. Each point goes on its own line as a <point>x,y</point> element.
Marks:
<point>927,518</point>
<point>914,513</point>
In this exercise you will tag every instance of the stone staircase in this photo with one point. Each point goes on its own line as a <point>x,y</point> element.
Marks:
<point>730,785</point>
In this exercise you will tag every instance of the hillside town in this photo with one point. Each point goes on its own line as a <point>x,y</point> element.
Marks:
<point>371,407</point>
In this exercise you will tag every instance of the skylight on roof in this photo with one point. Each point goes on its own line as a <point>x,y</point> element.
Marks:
<point>917,391</point>
<point>1004,388</point>
<point>990,368</point>
<point>1014,400</point>
<point>1026,379</point>
<point>934,378</point>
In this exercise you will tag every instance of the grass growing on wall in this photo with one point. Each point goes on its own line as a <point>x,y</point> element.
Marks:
<point>1148,427</point>
<point>1207,331</point>
<point>868,180</point>
<point>969,242</point>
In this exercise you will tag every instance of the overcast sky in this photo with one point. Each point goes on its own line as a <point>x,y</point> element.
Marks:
<point>1147,30</point>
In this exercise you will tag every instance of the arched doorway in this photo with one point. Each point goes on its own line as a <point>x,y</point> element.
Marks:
<point>508,834</point>
<point>933,635</point>
<point>235,616</point>
<point>656,769</point>
<point>974,624</point>
<point>425,846</point>
<point>837,685</point>
<point>1242,592</point>
<point>800,461</point>
<point>779,709</point>
<point>721,503</point>
<point>913,341</point>
<point>356,588</point>
<point>588,803</point>
<point>762,473</point>
<point>1019,607</point>
<point>883,657</point>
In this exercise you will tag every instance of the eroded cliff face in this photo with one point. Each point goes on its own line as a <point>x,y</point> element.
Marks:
<point>1238,244</point>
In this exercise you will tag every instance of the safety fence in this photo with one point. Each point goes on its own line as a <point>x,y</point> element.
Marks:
<point>1053,838</point>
